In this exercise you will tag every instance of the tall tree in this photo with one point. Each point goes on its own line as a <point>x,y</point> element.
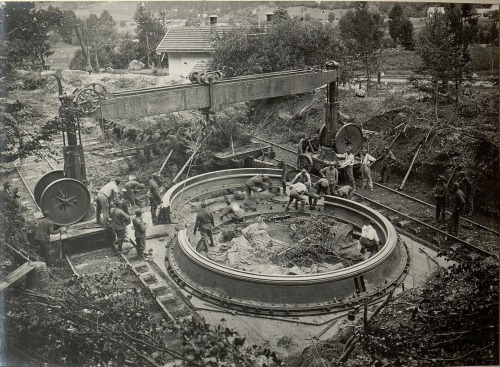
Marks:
<point>24,30</point>
<point>400,27</point>
<point>150,32</point>
<point>361,31</point>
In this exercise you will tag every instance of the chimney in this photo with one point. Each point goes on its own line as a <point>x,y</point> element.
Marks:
<point>213,26</point>
<point>269,16</point>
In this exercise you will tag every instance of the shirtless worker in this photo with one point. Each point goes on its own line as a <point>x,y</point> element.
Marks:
<point>252,185</point>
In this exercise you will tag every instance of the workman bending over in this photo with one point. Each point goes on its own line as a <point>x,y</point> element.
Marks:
<point>441,194</point>
<point>43,232</point>
<point>154,195</point>
<point>303,177</point>
<point>204,223</point>
<point>298,193</point>
<point>252,185</point>
<point>331,173</point>
<point>233,211</point>
<point>321,188</point>
<point>132,187</point>
<point>369,238</point>
<point>105,197</point>
<point>345,192</point>
<point>348,165</point>
<point>119,222</point>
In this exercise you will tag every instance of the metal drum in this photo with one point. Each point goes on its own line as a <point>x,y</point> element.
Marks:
<point>67,199</point>
<point>45,181</point>
<point>349,135</point>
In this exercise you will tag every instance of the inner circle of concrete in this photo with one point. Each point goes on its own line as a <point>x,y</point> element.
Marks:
<point>276,293</point>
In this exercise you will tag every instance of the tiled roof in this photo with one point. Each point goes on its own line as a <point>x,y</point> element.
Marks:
<point>191,39</point>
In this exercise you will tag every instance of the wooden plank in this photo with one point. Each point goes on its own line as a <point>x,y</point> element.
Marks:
<point>16,275</point>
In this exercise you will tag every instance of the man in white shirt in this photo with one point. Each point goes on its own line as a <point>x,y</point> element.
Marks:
<point>298,193</point>
<point>369,237</point>
<point>366,173</point>
<point>105,196</point>
<point>348,164</point>
<point>303,177</point>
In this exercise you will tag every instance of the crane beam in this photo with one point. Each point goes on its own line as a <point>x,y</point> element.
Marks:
<point>160,100</point>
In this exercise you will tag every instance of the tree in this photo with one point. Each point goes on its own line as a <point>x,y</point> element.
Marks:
<point>395,19</point>
<point>406,34</point>
<point>67,30</point>
<point>361,31</point>
<point>24,30</point>
<point>150,32</point>
<point>331,16</point>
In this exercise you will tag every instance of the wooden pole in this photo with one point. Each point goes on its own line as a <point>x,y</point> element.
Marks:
<point>164,163</point>
<point>185,164</point>
<point>409,169</point>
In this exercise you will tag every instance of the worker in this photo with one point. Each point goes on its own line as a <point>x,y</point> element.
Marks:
<point>441,194</point>
<point>43,232</point>
<point>154,195</point>
<point>233,211</point>
<point>388,160</point>
<point>314,143</point>
<point>298,193</point>
<point>321,188</point>
<point>332,175</point>
<point>252,185</point>
<point>119,221</point>
<point>131,188</point>
<point>469,195</point>
<point>284,174</point>
<point>204,223</point>
<point>6,195</point>
<point>369,238</point>
<point>458,206</point>
<point>366,173</point>
<point>345,192</point>
<point>303,177</point>
<point>348,165</point>
<point>140,228</point>
<point>105,197</point>
<point>14,201</point>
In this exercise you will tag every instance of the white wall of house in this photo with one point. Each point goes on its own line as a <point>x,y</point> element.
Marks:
<point>181,63</point>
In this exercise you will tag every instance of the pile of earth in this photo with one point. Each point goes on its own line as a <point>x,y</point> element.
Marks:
<point>306,245</point>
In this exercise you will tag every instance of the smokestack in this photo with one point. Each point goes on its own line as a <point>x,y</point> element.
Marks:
<point>213,26</point>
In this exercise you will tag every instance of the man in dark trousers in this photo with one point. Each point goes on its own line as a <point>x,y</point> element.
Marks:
<point>321,188</point>
<point>44,230</point>
<point>105,197</point>
<point>154,195</point>
<point>119,221</point>
<point>140,234</point>
<point>252,185</point>
<point>441,194</point>
<point>388,159</point>
<point>204,223</point>
<point>469,187</point>
<point>132,186</point>
<point>458,206</point>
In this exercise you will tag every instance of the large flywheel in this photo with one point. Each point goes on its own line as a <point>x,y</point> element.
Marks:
<point>305,162</point>
<point>67,199</point>
<point>45,181</point>
<point>349,135</point>
<point>89,98</point>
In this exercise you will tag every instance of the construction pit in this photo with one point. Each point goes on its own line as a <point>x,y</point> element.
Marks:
<point>277,262</point>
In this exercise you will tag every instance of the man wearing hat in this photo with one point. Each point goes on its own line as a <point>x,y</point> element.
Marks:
<point>255,182</point>
<point>348,165</point>
<point>119,221</point>
<point>154,195</point>
<point>205,223</point>
<point>332,175</point>
<point>458,206</point>
<point>441,194</point>
<point>366,173</point>
<point>130,188</point>
<point>388,159</point>
<point>321,187</point>
<point>140,234</point>
<point>105,197</point>
<point>43,232</point>
<point>303,177</point>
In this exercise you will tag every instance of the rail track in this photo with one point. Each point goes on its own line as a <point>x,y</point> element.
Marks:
<point>415,216</point>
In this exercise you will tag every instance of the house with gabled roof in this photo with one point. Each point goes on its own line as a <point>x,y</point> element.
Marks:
<point>433,10</point>
<point>189,47</point>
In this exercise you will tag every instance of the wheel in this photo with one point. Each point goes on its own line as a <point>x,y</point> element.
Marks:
<point>349,135</point>
<point>193,77</point>
<point>68,201</point>
<point>99,88</point>
<point>89,100</point>
<point>45,181</point>
<point>305,162</point>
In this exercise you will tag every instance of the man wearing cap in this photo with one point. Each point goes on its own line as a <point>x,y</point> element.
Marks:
<point>348,165</point>
<point>332,175</point>
<point>366,173</point>
<point>388,159</point>
<point>140,234</point>
<point>119,221</point>
<point>105,197</point>
<point>321,187</point>
<point>233,211</point>
<point>154,195</point>
<point>43,232</point>
<point>298,193</point>
<point>251,185</point>
<point>441,194</point>
<point>369,238</point>
<point>469,187</point>
<point>458,206</point>
<point>131,187</point>
<point>204,223</point>
<point>303,177</point>
<point>345,192</point>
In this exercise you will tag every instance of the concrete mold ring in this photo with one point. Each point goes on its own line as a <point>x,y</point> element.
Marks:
<point>304,294</point>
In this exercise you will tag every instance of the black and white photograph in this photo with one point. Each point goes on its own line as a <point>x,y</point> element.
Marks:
<point>249,184</point>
